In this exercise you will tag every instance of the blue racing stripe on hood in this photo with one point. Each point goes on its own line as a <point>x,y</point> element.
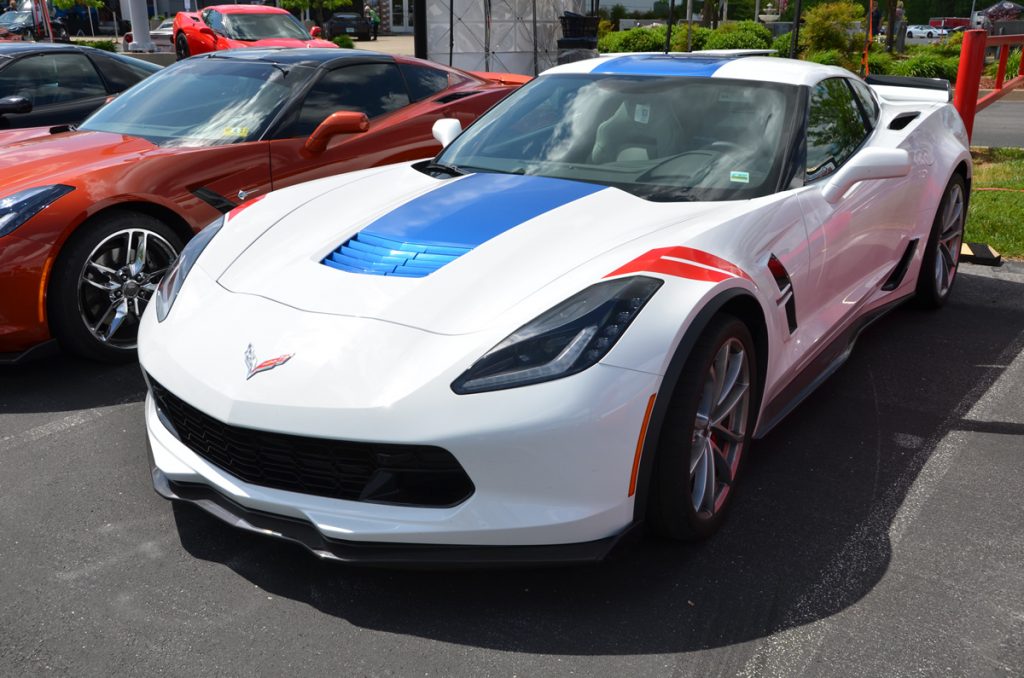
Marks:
<point>436,228</point>
<point>662,64</point>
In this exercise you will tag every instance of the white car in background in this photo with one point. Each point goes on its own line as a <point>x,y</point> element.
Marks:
<point>570,323</point>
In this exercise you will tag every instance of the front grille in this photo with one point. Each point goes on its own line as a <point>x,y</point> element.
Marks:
<point>415,475</point>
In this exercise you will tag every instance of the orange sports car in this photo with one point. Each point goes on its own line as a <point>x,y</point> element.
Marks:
<point>90,218</point>
<point>232,26</point>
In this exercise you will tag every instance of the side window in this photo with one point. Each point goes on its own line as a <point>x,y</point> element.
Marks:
<point>373,89</point>
<point>52,79</point>
<point>121,73</point>
<point>214,20</point>
<point>423,81</point>
<point>867,101</point>
<point>835,128</point>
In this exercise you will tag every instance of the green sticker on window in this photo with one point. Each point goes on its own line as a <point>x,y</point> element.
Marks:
<point>739,177</point>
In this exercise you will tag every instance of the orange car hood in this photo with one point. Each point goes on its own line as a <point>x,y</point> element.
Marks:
<point>282,42</point>
<point>62,158</point>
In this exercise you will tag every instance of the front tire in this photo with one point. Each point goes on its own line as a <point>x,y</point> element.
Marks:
<point>706,432</point>
<point>103,280</point>
<point>181,50</point>
<point>941,258</point>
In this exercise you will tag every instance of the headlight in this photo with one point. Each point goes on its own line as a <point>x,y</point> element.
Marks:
<point>565,340</point>
<point>19,207</point>
<point>167,292</point>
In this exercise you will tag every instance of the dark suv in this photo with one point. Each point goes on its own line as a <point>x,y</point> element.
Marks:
<point>347,23</point>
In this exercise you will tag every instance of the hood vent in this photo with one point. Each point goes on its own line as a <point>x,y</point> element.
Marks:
<point>374,255</point>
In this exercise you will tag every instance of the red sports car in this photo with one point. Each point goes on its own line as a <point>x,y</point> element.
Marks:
<point>232,26</point>
<point>91,218</point>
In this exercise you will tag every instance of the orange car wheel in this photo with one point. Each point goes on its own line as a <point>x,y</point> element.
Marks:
<point>103,280</point>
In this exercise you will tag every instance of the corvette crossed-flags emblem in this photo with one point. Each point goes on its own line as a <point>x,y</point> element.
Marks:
<point>255,368</point>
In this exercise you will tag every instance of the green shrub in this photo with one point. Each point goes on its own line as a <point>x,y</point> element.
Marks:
<point>604,27</point>
<point>950,45</point>
<point>829,57</point>
<point>927,65</point>
<point>752,27</point>
<point>1012,65</point>
<point>828,26</point>
<point>105,45</point>
<point>344,42</point>
<point>634,40</point>
<point>735,40</point>
<point>880,63</point>
<point>698,38</point>
<point>782,43</point>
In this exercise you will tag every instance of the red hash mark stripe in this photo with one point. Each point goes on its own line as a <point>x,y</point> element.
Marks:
<point>248,203</point>
<point>655,262</point>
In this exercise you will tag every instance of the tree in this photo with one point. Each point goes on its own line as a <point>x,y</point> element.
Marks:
<point>317,7</point>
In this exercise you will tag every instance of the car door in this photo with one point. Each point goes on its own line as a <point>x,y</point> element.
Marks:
<point>854,243</point>
<point>63,88</point>
<point>398,130</point>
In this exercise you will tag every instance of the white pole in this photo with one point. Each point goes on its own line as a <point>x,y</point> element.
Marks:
<point>141,42</point>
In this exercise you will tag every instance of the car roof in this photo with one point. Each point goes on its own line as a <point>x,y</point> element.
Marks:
<point>306,56</point>
<point>14,49</point>
<point>733,64</point>
<point>248,9</point>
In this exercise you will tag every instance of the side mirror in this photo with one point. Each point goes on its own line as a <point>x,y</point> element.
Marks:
<point>445,130</point>
<point>15,105</point>
<point>314,32</point>
<point>342,122</point>
<point>871,163</point>
<point>206,30</point>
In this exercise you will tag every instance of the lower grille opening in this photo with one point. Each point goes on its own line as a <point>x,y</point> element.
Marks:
<point>408,475</point>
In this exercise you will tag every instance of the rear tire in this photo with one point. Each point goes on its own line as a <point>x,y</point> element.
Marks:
<point>181,50</point>
<point>706,433</point>
<point>941,258</point>
<point>103,280</point>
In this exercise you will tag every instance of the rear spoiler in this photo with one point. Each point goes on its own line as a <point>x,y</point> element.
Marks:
<point>503,78</point>
<point>908,88</point>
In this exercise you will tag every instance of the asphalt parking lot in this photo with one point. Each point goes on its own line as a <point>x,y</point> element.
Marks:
<point>878,532</point>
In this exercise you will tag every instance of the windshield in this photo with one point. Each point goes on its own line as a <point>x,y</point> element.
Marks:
<point>263,26</point>
<point>12,18</point>
<point>201,102</point>
<point>660,138</point>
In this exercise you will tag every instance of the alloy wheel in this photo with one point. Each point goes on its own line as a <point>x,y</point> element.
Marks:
<point>118,280</point>
<point>719,428</point>
<point>951,235</point>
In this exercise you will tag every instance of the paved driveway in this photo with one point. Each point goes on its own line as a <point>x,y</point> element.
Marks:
<point>878,532</point>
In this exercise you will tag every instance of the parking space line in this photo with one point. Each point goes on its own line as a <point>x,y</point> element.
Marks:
<point>67,423</point>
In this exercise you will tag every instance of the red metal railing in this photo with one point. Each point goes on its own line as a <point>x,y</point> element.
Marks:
<point>972,64</point>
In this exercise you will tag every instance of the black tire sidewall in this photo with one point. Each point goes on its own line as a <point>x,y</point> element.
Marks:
<point>65,319</point>
<point>181,50</point>
<point>671,510</point>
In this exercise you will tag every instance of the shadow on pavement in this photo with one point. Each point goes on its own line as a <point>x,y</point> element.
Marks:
<point>63,382</point>
<point>808,535</point>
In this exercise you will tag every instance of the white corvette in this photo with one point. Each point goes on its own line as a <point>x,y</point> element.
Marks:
<point>570,323</point>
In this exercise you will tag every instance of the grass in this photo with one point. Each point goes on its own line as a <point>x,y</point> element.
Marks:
<point>997,217</point>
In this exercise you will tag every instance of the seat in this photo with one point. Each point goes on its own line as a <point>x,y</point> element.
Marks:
<point>642,128</point>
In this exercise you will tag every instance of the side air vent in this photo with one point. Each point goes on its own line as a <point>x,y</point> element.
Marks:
<point>454,96</point>
<point>898,273</point>
<point>374,255</point>
<point>903,119</point>
<point>785,299</point>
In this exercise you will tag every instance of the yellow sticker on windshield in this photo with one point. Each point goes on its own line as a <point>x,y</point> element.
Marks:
<point>739,177</point>
<point>236,131</point>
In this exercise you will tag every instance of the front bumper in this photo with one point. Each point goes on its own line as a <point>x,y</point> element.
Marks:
<point>550,464</point>
<point>384,554</point>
